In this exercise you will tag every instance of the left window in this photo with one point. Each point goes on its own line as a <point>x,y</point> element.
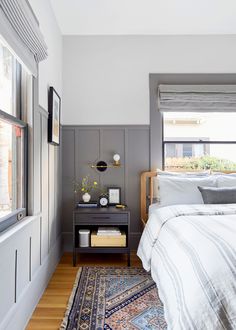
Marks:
<point>13,139</point>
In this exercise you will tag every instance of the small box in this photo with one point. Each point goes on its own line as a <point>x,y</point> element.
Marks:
<point>84,237</point>
<point>108,240</point>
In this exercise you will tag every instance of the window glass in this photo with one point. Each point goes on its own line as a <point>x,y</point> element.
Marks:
<point>14,97</point>
<point>191,141</point>
<point>11,168</point>
<point>200,126</point>
<point>7,81</point>
<point>202,157</point>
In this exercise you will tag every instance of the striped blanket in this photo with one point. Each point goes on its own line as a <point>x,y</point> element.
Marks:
<point>191,252</point>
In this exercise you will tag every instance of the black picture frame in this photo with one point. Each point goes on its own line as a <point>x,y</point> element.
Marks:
<point>114,195</point>
<point>54,116</point>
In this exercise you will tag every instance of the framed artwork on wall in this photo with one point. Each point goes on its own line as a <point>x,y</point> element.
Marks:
<point>54,112</point>
<point>114,195</point>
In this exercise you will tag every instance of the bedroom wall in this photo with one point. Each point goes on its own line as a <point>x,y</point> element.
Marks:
<point>30,251</point>
<point>106,78</point>
<point>106,82</point>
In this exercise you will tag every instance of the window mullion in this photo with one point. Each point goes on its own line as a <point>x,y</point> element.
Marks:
<point>18,90</point>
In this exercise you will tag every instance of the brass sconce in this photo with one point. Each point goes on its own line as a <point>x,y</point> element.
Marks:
<point>102,166</point>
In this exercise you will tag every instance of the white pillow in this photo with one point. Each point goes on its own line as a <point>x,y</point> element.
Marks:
<point>175,174</point>
<point>178,190</point>
<point>183,174</point>
<point>228,180</point>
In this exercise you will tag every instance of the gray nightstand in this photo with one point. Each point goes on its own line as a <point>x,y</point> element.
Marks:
<point>91,218</point>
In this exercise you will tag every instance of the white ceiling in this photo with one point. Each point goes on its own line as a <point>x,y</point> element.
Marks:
<point>135,17</point>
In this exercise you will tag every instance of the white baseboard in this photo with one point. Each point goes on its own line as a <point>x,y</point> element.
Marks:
<point>19,315</point>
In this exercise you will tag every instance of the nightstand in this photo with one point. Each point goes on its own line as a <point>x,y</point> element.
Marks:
<point>92,218</point>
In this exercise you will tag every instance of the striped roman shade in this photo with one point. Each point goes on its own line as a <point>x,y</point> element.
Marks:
<point>20,29</point>
<point>197,98</point>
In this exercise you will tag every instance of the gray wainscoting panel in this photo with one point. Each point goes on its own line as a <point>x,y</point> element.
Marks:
<point>85,145</point>
<point>87,148</point>
<point>44,198</point>
<point>137,162</point>
<point>113,142</point>
<point>37,163</point>
<point>68,176</point>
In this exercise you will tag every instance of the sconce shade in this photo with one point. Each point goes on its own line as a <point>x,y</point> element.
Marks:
<point>116,159</point>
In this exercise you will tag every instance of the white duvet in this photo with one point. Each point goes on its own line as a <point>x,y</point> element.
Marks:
<point>191,252</point>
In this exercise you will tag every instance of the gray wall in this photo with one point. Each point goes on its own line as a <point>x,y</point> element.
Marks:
<point>83,145</point>
<point>106,78</point>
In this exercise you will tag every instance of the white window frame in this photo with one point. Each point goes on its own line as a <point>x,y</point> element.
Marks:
<point>20,213</point>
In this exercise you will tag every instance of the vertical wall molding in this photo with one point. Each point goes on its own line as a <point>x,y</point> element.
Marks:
<point>16,265</point>
<point>41,161</point>
<point>126,133</point>
<point>40,241</point>
<point>48,224</point>
<point>30,258</point>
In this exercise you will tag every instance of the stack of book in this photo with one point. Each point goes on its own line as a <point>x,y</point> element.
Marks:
<point>108,231</point>
<point>108,237</point>
<point>87,204</point>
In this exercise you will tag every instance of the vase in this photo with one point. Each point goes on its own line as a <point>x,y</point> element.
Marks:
<point>86,197</point>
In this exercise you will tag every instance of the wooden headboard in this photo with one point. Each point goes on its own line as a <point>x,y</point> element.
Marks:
<point>147,191</point>
<point>146,183</point>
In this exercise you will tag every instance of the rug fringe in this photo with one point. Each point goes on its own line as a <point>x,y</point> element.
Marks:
<point>70,302</point>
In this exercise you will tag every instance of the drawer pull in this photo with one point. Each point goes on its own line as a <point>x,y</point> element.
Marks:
<point>101,218</point>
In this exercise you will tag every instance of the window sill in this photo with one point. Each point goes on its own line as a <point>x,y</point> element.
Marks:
<point>18,226</point>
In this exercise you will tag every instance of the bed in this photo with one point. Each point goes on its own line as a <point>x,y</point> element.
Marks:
<point>190,250</point>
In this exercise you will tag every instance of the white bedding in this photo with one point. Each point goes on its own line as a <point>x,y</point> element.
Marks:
<point>191,252</point>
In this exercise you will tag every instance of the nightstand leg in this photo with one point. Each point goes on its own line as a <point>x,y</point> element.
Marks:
<point>128,254</point>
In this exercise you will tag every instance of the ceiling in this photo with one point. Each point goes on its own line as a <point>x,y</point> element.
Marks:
<point>142,17</point>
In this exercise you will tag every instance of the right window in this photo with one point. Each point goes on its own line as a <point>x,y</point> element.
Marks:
<point>199,141</point>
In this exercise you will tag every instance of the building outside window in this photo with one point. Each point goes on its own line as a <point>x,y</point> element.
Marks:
<point>198,141</point>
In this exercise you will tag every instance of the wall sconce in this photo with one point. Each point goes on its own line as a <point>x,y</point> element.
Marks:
<point>102,166</point>
<point>116,159</point>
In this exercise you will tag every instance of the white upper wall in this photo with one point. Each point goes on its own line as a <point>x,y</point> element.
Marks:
<point>50,70</point>
<point>106,78</point>
<point>137,17</point>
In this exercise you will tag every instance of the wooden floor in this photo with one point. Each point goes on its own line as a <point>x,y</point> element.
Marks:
<point>51,308</point>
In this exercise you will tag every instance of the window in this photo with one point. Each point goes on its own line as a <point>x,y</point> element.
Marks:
<point>13,139</point>
<point>199,141</point>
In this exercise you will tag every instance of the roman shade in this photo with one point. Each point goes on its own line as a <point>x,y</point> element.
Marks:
<point>197,98</point>
<point>20,29</point>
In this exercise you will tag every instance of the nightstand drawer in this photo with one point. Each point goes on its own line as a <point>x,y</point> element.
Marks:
<point>101,218</point>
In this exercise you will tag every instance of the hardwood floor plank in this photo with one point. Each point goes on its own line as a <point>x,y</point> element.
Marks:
<point>51,308</point>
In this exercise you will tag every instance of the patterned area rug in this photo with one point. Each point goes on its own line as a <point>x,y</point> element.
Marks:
<point>114,298</point>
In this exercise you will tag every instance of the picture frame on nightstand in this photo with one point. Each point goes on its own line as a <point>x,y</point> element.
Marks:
<point>114,195</point>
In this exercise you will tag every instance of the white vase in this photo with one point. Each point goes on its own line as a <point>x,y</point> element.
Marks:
<point>86,197</point>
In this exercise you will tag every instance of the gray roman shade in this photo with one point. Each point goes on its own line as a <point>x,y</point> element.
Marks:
<point>20,29</point>
<point>197,98</point>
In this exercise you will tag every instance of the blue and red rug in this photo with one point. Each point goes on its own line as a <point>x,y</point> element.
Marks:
<point>114,298</point>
